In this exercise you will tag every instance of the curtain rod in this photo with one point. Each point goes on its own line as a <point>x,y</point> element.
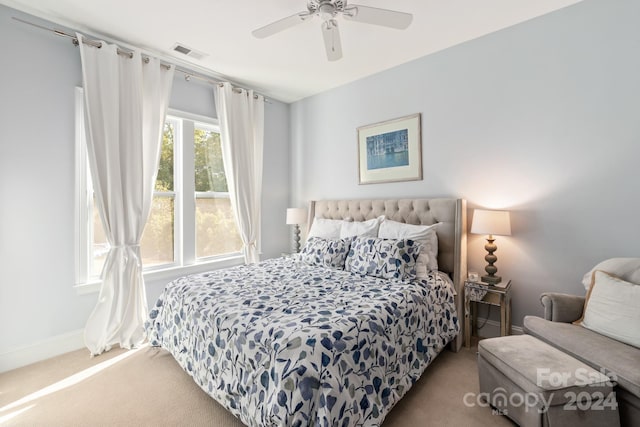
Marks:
<point>95,43</point>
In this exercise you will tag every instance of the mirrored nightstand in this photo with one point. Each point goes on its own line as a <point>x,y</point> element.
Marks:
<point>482,293</point>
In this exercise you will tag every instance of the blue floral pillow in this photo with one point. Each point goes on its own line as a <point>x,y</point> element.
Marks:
<point>385,258</point>
<point>325,252</point>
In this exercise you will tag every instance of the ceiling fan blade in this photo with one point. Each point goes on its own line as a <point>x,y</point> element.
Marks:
<point>331,36</point>
<point>280,25</point>
<point>376,16</point>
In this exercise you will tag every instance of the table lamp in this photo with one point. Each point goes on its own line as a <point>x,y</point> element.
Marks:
<point>491,222</point>
<point>295,217</point>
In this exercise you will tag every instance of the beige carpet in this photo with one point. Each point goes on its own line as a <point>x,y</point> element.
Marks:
<point>147,388</point>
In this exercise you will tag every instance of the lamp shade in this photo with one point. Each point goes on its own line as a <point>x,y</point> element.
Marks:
<point>296,216</point>
<point>491,222</point>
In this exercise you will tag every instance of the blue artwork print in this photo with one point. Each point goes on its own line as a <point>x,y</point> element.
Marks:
<point>388,150</point>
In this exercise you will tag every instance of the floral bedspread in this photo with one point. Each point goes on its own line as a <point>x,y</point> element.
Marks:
<point>285,343</point>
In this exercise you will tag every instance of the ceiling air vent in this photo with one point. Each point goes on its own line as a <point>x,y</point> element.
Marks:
<point>180,48</point>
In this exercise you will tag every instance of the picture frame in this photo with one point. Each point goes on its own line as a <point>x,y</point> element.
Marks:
<point>390,151</point>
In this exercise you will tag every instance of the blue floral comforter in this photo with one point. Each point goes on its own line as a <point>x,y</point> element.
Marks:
<point>285,343</point>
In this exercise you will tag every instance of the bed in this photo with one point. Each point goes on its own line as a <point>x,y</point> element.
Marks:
<point>284,342</point>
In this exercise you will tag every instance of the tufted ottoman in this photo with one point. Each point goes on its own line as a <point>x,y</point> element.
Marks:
<point>536,384</point>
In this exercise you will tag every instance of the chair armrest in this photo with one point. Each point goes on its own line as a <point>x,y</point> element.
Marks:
<point>562,307</point>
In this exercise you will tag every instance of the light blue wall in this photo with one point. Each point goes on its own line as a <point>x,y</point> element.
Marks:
<point>194,96</point>
<point>38,74</point>
<point>37,79</point>
<point>542,118</point>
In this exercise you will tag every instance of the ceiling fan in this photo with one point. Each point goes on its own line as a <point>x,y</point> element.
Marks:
<point>328,10</point>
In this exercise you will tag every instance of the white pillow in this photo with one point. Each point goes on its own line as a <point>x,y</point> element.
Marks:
<point>625,268</point>
<point>325,228</point>
<point>423,234</point>
<point>612,308</point>
<point>361,228</point>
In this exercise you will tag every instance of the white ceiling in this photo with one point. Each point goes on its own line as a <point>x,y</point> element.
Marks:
<point>292,64</point>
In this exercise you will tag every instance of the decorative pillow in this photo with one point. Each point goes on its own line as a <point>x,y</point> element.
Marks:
<point>367,228</point>
<point>385,258</point>
<point>325,228</point>
<point>423,234</point>
<point>612,308</point>
<point>325,252</point>
<point>625,268</point>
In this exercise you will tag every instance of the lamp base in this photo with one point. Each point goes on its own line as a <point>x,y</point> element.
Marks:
<point>491,269</point>
<point>296,238</point>
<point>492,280</point>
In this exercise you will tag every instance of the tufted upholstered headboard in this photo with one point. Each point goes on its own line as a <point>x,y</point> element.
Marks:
<point>452,232</point>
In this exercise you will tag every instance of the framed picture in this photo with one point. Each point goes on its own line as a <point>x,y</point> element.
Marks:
<point>390,151</point>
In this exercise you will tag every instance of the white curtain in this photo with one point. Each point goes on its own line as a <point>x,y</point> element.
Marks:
<point>241,116</point>
<point>126,101</point>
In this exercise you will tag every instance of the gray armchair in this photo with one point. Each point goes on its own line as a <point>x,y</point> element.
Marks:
<point>621,361</point>
<point>562,307</point>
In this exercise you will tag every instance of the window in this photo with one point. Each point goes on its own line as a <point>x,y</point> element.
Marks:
<point>157,246</point>
<point>216,230</point>
<point>191,220</point>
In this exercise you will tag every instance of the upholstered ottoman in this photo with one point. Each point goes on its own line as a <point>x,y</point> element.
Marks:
<point>536,384</point>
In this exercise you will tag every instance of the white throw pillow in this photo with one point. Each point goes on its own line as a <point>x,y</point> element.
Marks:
<point>625,268</point>
<point>423,234</point>
<point>325,228</point>
<point>612,308</point>
<point>367,228</point>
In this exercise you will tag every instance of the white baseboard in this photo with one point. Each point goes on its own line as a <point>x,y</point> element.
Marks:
<point>42,350</point>
<point>491,329</point>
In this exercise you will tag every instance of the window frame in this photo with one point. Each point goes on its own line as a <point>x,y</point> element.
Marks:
<point>184,196</point>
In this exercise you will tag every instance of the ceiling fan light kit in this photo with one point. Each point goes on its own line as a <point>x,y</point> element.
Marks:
<point>328,10</point>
